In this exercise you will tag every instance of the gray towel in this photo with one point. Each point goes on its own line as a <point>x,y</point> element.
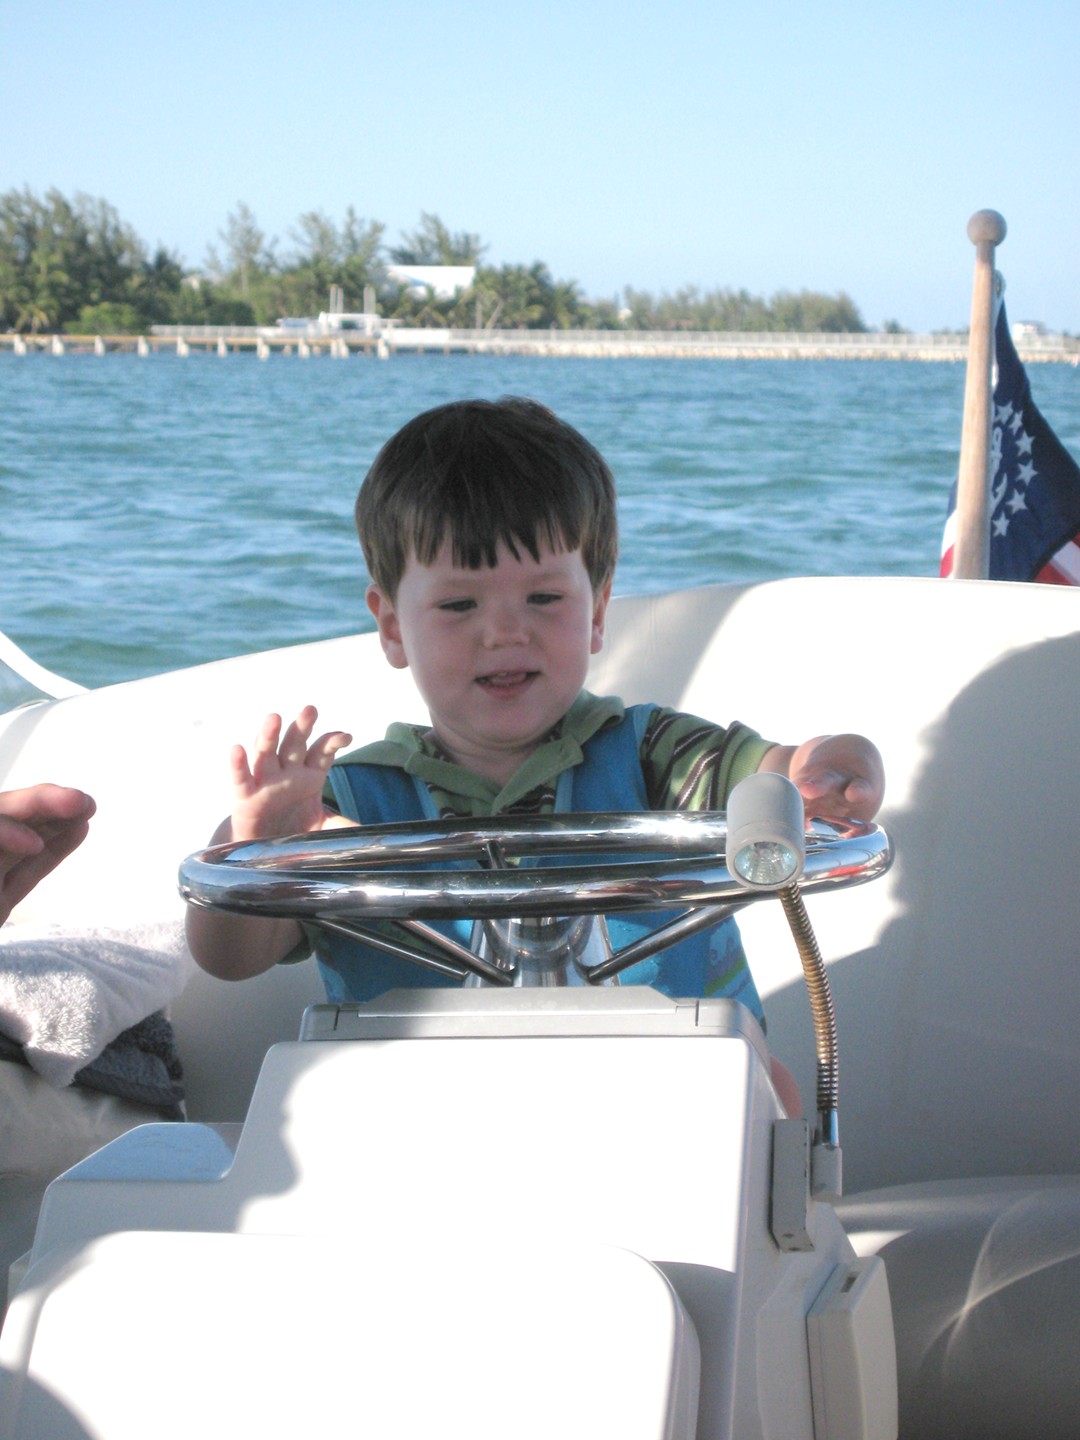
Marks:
<point>141,1065</point>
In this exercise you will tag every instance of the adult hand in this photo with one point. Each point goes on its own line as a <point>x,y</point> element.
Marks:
<point>39,827</point>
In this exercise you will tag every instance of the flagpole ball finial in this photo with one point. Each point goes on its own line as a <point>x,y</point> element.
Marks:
<point>986,227</point>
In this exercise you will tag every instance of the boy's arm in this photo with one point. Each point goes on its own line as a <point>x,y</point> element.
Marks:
<point>278,793</point>
<point>840,777</point>
<point>786,1088</point>
<point>236,947</point>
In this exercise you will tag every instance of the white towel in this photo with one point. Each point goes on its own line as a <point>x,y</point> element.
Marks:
<point>65,996</point>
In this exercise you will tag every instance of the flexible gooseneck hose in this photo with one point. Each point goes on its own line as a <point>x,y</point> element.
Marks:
<point>824,1015</point>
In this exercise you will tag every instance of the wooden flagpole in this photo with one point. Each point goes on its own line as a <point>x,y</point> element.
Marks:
<point>971,554</point>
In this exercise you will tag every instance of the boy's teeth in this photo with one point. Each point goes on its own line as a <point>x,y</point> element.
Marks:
<point>504,677</point>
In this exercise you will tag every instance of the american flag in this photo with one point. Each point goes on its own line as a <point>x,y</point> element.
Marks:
<point>1034,501</point>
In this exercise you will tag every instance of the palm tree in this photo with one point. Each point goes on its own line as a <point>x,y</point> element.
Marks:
<point>433,244</point>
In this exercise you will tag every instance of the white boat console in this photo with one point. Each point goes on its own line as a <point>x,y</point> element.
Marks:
<point>520,1206</point>
<point>522,1210</point>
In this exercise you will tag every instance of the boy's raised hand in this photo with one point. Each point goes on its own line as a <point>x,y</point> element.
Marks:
<point>279,792</point>
<point>840,777</point>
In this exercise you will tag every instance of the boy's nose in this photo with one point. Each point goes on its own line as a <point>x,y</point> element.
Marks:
<point>506,625</point>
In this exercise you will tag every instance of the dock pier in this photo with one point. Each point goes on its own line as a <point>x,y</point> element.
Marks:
<point>391,340</point>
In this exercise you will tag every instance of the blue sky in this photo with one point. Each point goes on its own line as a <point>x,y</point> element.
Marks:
<point>782,144</point>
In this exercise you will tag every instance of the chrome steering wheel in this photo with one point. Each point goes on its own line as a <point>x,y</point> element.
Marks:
<point>383,884</point>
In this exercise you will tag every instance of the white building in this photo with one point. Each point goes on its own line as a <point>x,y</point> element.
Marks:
<point>445,280</point>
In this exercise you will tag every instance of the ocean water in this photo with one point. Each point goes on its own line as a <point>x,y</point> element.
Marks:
<point>161,512</point>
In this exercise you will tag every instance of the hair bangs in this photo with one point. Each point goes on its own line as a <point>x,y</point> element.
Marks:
<point>480,475</point>
<point>475,518</point>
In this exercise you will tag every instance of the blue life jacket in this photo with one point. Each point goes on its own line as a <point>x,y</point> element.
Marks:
<point>609,778</point>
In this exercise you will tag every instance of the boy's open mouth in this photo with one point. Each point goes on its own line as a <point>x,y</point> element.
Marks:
<point>505,679</point>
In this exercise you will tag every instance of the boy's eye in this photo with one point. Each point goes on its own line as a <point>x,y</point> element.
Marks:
<point>456,607</point>
<point>544,597</point>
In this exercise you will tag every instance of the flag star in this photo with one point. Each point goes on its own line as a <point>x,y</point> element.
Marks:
<point>1001,525</point>
<point>1016,502</point>
<point>1002,413</point>
<point>1023,443</point>
<point>1026,473</point>
<point>1016,423</point>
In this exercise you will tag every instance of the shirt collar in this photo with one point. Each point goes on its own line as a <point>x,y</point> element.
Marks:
<point>414,749</point>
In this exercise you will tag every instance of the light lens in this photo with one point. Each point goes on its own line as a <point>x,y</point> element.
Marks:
<point>766,863</point>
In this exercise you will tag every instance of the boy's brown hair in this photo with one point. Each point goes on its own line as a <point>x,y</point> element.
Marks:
<point>481,472</point>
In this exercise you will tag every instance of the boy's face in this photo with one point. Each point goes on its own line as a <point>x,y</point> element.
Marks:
<point>498,654</point>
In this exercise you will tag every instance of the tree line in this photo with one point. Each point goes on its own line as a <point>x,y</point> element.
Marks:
<point>74,265</point>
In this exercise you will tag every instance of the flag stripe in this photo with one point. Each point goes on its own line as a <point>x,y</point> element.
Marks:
<point>948,545</point>
<point>1064,568</point>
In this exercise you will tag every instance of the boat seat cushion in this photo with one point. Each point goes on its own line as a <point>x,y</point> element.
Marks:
<point>984,1276</point>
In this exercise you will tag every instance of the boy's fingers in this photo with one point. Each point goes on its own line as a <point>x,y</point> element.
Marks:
<point>321,752</point>
<point>818,781</point>
<point>294,743</point>
<point>239,767</point>
<point>304,723</point>
<point>831,789</point>
<point>266,742</point>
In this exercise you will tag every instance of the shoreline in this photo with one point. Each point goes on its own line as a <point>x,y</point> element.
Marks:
<point>579,344</point>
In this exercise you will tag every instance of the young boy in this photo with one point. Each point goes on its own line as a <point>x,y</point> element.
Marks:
<point>490,536</point>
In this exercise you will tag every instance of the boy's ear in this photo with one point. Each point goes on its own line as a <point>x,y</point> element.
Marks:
<point>600,604</point>
<point>389,629</point>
